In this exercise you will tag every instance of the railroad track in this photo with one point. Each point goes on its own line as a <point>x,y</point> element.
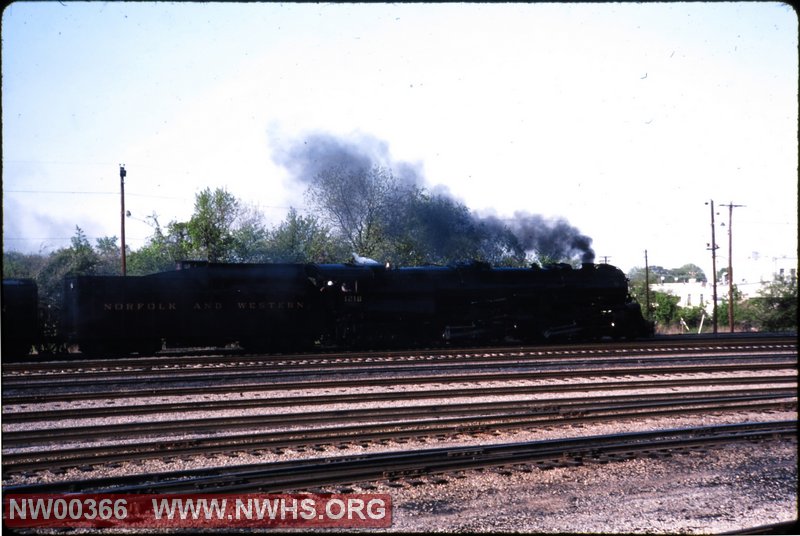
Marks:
<point>555,406</point>
<point>62,381</point>
<point>313,473</point>
<point>125,389</point>
<point>82,377</point>
<point>362,426</point>
<point>491,374</point>
<point>443,356</point>
<point>216,357</point>
<point>130,409</point>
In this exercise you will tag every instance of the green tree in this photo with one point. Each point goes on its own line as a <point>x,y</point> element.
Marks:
<point>83,260</point>
<point>775,307</point>
<point>355,203</point>
<point>304,239</point>
<point>250,236</point>
<point>149,259</point>
<point>178,241</point>
<point>685,273</point>
<point>162,250</point>
<point>664,309</point>
<point>722,309</point>
<point>109,261</point>
<point>211,227</point>
<point>222,229</point>
<point>49,270</point>
<point>22,265</point>
<point>638,288</point>
<point>78,259</point>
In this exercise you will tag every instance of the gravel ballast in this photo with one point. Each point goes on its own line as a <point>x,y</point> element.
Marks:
<point>723,489</point>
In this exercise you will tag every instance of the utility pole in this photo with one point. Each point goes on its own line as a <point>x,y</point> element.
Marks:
<point>713,248</point>
<point>730,206</point>
<point>122,174</point>
<point>647,284</point>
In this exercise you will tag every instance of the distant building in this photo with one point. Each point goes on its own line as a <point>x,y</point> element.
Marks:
<point>749,280</point>
<point>691,293</point>
<point>759,270</point>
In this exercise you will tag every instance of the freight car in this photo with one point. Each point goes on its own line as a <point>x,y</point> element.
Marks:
<point>276,307</point>
<point>20,329</point>
<point>258,306</point>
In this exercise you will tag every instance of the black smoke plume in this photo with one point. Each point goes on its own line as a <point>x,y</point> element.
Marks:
<point>306,158</point>
<point>554,239</point>
<point>309,158</point>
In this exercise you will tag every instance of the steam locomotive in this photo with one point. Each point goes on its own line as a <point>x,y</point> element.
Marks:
<point>294,307</point>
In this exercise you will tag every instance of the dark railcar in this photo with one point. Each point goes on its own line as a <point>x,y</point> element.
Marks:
<point>258,306</point>
<point>19,330</point>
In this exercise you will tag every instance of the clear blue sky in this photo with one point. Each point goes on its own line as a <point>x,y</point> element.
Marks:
<point>622,118</point>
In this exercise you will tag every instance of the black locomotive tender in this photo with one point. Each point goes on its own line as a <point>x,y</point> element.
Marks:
<point>288,307</point>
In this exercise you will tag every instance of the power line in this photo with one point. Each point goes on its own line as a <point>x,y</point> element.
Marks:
<point>31,239</point>
<point>57,162</point>
<point>69,192</point>
<point>73,163</point>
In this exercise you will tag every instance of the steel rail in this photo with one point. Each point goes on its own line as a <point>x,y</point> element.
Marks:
<point>462,355</point>
<point>308,474</point>
<point>656,346</point>
<point>503,409</point>
<point>171,375</point>
<point>359,433</point>
<point>783,527</point>
<point>108,389</point>
<point>332,398</point>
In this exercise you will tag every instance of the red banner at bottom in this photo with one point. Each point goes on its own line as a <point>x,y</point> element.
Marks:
<point>355,510</point>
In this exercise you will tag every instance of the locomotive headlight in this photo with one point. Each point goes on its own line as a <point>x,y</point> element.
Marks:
<point>330,283</point>
<point>613,324</point>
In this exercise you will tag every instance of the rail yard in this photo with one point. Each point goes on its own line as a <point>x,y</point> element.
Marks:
<point>547,438</point>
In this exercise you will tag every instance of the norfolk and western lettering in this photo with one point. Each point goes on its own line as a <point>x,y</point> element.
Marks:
<point>168,306</point>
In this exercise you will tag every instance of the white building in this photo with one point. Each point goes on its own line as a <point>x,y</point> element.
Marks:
<point>691,293</point>
<point>749,279</point>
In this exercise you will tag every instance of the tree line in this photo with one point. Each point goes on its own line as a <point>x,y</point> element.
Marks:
<point>369,212</point>
<point>372,213</point>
